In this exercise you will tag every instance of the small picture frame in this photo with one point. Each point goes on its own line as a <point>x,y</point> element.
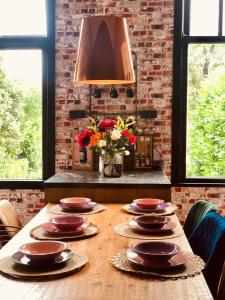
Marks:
<point>143,152</point>
<point>82,157</point>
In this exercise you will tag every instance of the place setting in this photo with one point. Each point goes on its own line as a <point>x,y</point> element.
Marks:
<point>160,259</point>
<point>77,205</point>
<point>149,227</point>
<point>68,227</point>
<point>150,206</point>
<point>42,260</point>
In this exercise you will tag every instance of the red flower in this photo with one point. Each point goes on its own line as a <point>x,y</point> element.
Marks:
<point>132,139</point>
<point>126,133</point>
<point>107,123</point>
<point>83,137</point>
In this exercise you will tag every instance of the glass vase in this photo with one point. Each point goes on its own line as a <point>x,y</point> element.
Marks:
<point>111,166</point>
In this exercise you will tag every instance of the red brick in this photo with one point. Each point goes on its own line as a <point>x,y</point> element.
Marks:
<point>192,201</point>
<point>211,195</point>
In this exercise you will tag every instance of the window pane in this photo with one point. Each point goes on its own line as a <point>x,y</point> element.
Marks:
<point>23,17</point>
<point>205,153</point>
<point>204,15</point>
<point>21,114</point>
<point>223,18</point>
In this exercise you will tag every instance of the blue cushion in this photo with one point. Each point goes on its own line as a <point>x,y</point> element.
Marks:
<point>208,241</point>
<point>196,214</point>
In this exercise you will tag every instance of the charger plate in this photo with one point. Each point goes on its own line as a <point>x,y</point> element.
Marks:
<point>11,269</point>
<point>192,267</point>
<point>39,234</point>
<point>171,225</point>
<point>57,209</point>
<point>52,230</point>
<point>171,209</point>
<point>126,231</point>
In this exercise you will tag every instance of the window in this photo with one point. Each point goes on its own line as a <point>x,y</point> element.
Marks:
<point>199,93</point>
<point>21,114</point>
<point>27,63</point>
<point>23,17</point>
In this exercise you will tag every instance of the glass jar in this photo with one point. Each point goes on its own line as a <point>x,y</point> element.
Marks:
<point>111,166</point>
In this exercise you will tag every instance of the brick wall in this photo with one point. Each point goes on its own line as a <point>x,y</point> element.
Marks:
<point>185,197</point>
<point>27,202</point>
<point>150,26</point>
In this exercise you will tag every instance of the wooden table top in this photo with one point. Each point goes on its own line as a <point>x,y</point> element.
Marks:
<point>99,280</point>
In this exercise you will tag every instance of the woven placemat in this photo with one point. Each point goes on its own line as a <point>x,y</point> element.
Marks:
<point>126,231</point>
<point>58,210</point>
<point>39,234</point>
<point>191,268</point>
<point>168,211</point>
<point>14,270</point>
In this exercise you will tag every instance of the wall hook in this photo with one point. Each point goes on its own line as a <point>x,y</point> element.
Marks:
<point>113,93</point>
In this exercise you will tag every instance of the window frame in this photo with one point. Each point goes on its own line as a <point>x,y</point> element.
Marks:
<point>47,45</point>
<point>179,107</point>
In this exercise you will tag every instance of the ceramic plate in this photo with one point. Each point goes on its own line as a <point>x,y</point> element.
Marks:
<point>152,221</point>
<point>149,203</point>
<point>169,226</point>
<point>51,229</point>
<point>22,259</point>
<point>87,207</point>
<point>160,208</point>
<point>177,260</point>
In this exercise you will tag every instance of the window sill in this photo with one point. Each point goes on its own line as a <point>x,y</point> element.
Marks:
<point>139,179</point>
<point>193,183</point>
<point>21,184</point>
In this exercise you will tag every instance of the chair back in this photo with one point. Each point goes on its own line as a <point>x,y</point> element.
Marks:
<point>9,218</point>
<point>208,241</point>
<point>196,214</point>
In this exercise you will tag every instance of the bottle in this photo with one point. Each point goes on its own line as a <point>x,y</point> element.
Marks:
<point>83,155</point>
<point>148,160</point>
<point>142,160</point>
<point>137,160</point>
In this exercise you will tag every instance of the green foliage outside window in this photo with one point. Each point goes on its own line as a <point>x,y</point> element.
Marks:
<point>206,112</point>
<point>20,131</point>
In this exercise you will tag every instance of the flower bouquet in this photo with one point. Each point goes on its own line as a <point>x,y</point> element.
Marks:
<point>111,138</point>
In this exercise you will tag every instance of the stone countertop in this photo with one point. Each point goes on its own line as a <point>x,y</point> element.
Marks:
<point>95,179</point>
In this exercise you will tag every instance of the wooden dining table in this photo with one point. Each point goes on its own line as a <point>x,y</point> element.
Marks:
<point>99,279</point>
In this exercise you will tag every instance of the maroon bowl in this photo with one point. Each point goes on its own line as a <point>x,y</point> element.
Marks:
<point>42,251</point>
<point>75,202</point>
<point>151,222</point>
<point>156,250</point>
<point>85,207</point>
<point>150,203</point>
<point>67,222</point>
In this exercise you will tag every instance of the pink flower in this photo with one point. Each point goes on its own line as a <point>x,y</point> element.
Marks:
<point>83,137</point>
<point>107,123</point>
